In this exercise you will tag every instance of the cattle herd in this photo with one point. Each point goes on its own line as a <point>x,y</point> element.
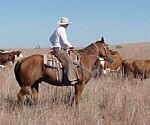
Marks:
<point>127,68</point>
<point>9,57</point>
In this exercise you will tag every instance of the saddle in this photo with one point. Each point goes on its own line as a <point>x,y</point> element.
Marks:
<point>51,61</point>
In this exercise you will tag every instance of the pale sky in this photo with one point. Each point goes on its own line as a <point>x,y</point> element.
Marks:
<point>27,23</point>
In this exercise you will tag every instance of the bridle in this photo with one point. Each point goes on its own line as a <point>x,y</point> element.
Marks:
<point>105,49</point>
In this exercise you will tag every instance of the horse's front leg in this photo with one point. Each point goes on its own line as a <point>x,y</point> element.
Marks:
<point>78,92</point>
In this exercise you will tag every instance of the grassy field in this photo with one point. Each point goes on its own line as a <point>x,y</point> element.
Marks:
<point>105,101</point>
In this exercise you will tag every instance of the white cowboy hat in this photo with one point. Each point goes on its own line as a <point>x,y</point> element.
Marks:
<point>63,21</point>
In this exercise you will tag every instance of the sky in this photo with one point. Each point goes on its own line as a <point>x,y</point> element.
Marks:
<point>28,23</point>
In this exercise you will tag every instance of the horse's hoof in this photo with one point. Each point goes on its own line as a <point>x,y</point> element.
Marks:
<point>29,102</point>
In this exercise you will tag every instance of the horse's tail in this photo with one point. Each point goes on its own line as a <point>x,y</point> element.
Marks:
<point>17,72</point>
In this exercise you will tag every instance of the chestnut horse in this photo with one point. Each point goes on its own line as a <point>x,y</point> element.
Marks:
<point>30,71</point>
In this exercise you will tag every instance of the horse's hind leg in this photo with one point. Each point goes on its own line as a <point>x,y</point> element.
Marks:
<point>35,90</point>
<point>23,91</point>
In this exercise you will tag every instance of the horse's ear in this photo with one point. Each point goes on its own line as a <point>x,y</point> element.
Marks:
<point>102,39</point>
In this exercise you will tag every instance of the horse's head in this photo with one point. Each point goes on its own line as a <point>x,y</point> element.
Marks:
<point>103,50</point>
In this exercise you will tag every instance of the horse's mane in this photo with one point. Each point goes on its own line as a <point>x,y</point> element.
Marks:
<point>91,49</point>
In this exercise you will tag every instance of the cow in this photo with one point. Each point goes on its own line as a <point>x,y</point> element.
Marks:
<point>115,66</point>
<point>5,58</point>
<point>112,52</point>
<point>136,68</point>
<point>103,67</point>
<point>9,57</point>
<point>17,53</point>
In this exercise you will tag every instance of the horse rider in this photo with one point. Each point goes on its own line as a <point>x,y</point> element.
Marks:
<point>61,45</point>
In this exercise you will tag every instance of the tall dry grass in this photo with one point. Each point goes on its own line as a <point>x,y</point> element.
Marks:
<point>105,101</point>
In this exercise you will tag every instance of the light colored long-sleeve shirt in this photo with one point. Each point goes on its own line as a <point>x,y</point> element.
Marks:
<point>59,38</point>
